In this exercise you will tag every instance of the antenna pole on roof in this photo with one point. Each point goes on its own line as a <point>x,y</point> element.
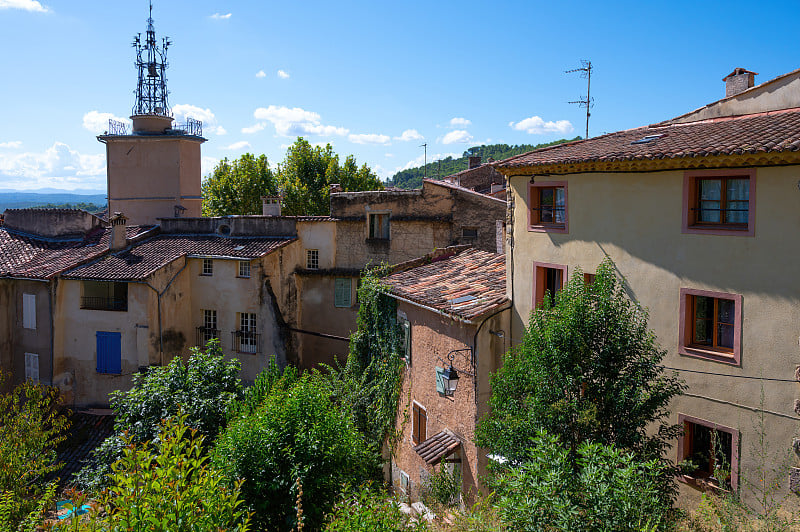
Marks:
<point>588,103</point>
<point>425,168</point>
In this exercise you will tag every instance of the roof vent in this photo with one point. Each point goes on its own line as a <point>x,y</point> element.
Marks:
<point>648,139</point>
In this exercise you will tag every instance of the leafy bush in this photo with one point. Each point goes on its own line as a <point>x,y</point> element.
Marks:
<point>202,389</point>
<point>442,488</point>
<point>368,510</point>
<point>602,489</point>
<point>297,433</point>
<point>31,426</point>
<point>166,486</point>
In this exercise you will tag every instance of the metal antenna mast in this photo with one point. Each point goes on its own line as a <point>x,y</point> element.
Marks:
<point>588,103</point>
<point>151,62</point>
<point>426,159</point>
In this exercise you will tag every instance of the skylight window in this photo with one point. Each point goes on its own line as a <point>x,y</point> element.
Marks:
<point>647,139</point>
<point>462,299</point>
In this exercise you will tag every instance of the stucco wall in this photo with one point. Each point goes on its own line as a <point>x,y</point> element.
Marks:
<point>636,220</point>
<point>317,313</point>
<point>15,340</point>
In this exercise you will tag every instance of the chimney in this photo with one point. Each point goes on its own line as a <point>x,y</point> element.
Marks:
<point>271,205</point>
<point>738,81</point>
<point>119,237</point>
<point>474,161</point>
<point>335,187</point>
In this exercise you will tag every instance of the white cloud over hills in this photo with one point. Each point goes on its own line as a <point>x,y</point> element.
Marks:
<point>409,134</point>
<point>535,125</point>
<point>58,167</point>
<point>370,138</point>
<point>457,136</point>
<point>293,122</point>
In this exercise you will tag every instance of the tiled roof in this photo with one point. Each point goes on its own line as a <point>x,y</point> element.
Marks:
<point>466,285</point>
<point>437,447</point>
<point>770,132</point>
<point>459,188</point>
<point>86,432</point>
<point>143,259</point>
<point>31,256</point>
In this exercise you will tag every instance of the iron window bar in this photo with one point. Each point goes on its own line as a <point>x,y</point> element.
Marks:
<point>204,334</point>
<point>104,303</point>
<point>246,341</point>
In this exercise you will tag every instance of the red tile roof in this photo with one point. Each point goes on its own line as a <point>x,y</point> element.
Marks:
<point>438,446</point>
<point>770,132</point>
<point>466,285</point>
<point>34,257</point>
<point>143,259</point>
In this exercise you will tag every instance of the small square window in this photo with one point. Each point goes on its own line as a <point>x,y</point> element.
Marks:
<point>548,206</point>
<point>312,259</point>
<point>710,325</point>
<point>342,296</point>
<point>244,268</point>
<point>379,226</point>
<point>548,279</point>
<point>708,453</point>
<point>208,267</point>
<point>719,202</point>
<point>469,233</point>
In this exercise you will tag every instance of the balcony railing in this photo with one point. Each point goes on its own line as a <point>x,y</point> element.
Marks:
<point>104,303</point>
<point>204,334</point>
<point>246,341</point>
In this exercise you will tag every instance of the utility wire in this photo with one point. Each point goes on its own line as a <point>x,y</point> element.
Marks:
<point>732,376</point>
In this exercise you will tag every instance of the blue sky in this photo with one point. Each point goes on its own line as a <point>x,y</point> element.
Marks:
<point>375,79</point>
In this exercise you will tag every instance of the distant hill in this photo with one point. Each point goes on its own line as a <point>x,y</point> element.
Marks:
<point>412,178</point>
<point>24,200</point>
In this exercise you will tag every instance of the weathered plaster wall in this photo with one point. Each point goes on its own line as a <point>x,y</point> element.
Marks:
<point>477,212</point>
<point>50,222</point>
<point>317,313</point>
<point>635,219</point>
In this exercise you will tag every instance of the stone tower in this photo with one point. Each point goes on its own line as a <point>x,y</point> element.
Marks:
<point>153,171</point>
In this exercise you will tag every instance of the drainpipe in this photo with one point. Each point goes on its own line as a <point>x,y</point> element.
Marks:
<point>51,302</point>
<point>158,301</point>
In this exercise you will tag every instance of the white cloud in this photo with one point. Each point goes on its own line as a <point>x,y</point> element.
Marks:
<point>242,144</point>
<point>217,16</point>
<point>25,5</point>
<point>58,166</point>
<point>409,134</point>
<point>294,122</point>
<point>382,172</point>
<point>537,126</point>
<point>261,74</point>
<point>11,144</point>
<point>369,138</point>
<point>388,154</point>
<point>459,122</point>
<point>254,128</point>
<point>97,122</point>
<point>283,74</point>
<point>182,111</point>
<point>207,165</point>
<point>457,136</point>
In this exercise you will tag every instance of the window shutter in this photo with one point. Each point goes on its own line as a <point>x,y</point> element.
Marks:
<point>32,367</point>
<point>407,340</point>
<point>423,426</point>
<point>384,226</point>
<point>29,311</point>
<point>109,352</point>
<point>341,296</point>
<point>415,423</point>
<point>440,388</point>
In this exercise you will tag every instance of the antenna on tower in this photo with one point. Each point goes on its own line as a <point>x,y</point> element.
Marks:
<point>151,63</point>
<point>425,168</point>
<point>588,103</point>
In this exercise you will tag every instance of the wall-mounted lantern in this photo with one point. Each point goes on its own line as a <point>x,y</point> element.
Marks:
<point>447,378</point>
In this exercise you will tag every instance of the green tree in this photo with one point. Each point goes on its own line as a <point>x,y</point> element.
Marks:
<point>306,173</point>
<point>370,510</point>
<point>587,369</point>
<point>236,187</point>
<point>203,388</point>
<point>297,433</point>
<point>600,489</point>
<point>31,426</point>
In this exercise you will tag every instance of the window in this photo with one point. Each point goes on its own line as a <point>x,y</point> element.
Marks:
<point>312,259</point>
<point>28,311</point>
<point>548,207</point>
<point>245,340</point>
<point>719,202</point>
<point>379,226</point>
<point>208,267</point>
<point>32,367</point>
<point>708,453</point>
<point>469,233</point>
<point>406,328</point>
<point>101,295</point>
<point>547,280</point>
<point>710,325</point>
<point>244,268</point>
<point>588,279</point>
<point>342,296</point>
<point>109,352</point>
<point>209,328</point>
<point>405,481</point>
<point>419,424</point>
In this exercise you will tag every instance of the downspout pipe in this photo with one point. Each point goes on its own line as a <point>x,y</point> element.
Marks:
<point>51,302</point>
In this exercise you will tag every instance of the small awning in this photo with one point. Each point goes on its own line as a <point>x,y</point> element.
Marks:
<point>437,447</point>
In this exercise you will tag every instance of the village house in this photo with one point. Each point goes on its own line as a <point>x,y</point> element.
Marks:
<point>480,177</point>
<point>695,212</point>
<point>455,315</point>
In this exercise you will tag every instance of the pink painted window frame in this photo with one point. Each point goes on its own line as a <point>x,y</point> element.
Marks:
<point>547,228</point>
<point>540,265</point>
<point>689,179</point>
<point>683,419</point>
<point>685,328</point>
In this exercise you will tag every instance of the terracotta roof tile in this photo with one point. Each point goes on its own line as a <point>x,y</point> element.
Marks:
<point>438,446</point>
<point>143,259</point>
<point>31,256</point>
<point>466,285</point>
<point>774,131</point>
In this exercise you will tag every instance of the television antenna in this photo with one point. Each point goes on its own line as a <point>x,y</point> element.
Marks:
<point>588,102</point>
<point>425,168</point>
<point>151,62</point>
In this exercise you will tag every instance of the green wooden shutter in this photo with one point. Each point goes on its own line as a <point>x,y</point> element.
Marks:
<point>440,380</point>
<point>342,292</point>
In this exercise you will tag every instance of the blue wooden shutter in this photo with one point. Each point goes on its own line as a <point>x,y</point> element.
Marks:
<point>109,352</point>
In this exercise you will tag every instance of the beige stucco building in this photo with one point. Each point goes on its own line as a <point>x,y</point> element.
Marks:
<point>697,213</point>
